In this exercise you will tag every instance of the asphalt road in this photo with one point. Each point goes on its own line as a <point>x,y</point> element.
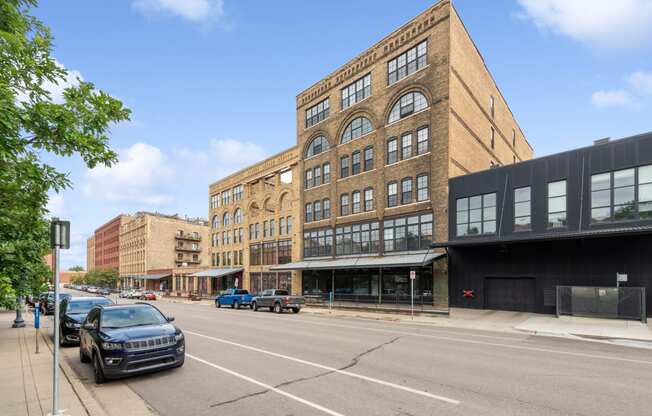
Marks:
<point>241,362</point>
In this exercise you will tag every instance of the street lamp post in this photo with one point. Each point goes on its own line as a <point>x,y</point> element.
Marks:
<point>59,239</point>
<point>19,322</point>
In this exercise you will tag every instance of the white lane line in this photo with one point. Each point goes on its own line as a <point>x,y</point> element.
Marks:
<point>327,368</point>
<point>267,386</point>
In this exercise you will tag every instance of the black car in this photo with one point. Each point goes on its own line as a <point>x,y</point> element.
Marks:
<point>73,311</point>
<point>124,340</point>
<point>47,302</point>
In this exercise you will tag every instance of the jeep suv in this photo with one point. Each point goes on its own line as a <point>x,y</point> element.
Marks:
<point>124,340</point>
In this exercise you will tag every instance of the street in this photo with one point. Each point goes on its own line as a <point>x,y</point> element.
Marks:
<point>241,362</point>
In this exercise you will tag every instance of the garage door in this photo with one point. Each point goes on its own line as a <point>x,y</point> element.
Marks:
<point>510,294</point>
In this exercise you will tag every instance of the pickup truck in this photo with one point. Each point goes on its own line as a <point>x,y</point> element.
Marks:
<point>234,298</point>
<point>277,300</point>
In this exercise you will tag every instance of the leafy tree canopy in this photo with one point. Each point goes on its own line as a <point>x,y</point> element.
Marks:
<point>32,123</point>
<point>76,269</point>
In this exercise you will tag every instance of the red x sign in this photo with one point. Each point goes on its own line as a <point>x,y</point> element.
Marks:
<point>468,293</point>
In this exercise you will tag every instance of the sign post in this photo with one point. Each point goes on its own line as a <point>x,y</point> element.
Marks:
<point>37,322</point>
<point>620,278</point>
<point>59,239</point>
<point>413,275</point>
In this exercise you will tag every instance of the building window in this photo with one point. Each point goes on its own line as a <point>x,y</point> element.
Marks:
<point>308,212</point>
<point>255,255</point>
<point>344,204</point>
<point>355,162</point>
<point>216,239</point>
<point>215,201</point>
<point>326,169</point>
<point>407,63</point>
<point>557,204</point>
<point>216,222</point>
<point>408,233</point>
<point>392,194</point>
<point>514,138</point>
<point>272,227</point>
<point>523,209</point>
<point>227,219</point>
<point>368,158</point>
<point>406,146</point>
<point>422,140</point>
<point>265,229</point>
<point>326,208</point>
<point>356,92</point>
<point>492,108</point>
<point>344,166</point>
<point>251,231</point>
<point>309,179</point>
<point>238,216</point>
<point>356,128</point>
<point>257,230</point>
<point>281,226</point>
<point>619,186</point>
<point>645,192</point>
<point>422,187</point>
<point>269,252</point>
<point>369,199</point>
<point>355,202</point>
<point>408,104</point>
<point>237,193</point>
<point>392,151</point>
<point>601,197</point>
<point>406,191</point>
<point>492,138</point>
<point>317,175</point>
<point>476,215</point>
<point>357,239</point>
<point>317,210</point>
<point>289,225</point>
<point>318,243</point>
<point>624,194</point>
<point>317,113</point>
<point>286,177</point>
<point>318,145</point>
<point>284,251</point>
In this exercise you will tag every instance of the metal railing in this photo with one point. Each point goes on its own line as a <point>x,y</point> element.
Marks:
<point>394,301</point>
<point>602,302</point>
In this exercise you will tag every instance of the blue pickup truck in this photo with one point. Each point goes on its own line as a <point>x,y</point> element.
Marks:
<point>233,298</point>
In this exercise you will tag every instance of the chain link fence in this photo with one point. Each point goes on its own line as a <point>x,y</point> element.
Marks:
<point>602,302</point>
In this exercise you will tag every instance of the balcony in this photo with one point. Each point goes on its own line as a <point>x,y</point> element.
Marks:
<point>189,237</point>
<point>188,249</point>
<point>187,261</point>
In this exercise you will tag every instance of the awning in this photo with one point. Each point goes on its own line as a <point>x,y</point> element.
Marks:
<point>402,260</point>
<point>155,276</point>
<point>217,272</point>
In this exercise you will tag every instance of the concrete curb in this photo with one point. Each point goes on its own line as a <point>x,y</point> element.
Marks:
<point>92,407</point>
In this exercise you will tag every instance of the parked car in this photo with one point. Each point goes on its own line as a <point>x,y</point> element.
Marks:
<point>148,295</point>
<point>136,294</point>
<point>92,289</point>
<point>47,303</point>
<point>126,294</point>
<point>277,300</point>
<point>124,340</point>
<point>73,311</point>
<point>104,292</point>
<point>233,298</point>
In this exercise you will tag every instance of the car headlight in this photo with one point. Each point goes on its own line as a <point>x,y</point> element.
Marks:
<point>178,337</point>
<point>72,325</point>
<point>109,346</point>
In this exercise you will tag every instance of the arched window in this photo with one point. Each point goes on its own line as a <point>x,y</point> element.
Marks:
<point>408,104</point>
<point>356,128</point>
<point>216,222</point>
<point>227,219</point>
<point>237,216</point>
<point>318,145</point>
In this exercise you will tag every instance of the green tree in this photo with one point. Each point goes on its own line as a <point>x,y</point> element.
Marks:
<point>102,278</point>
<point>76,269</point>
<point>32,124</point>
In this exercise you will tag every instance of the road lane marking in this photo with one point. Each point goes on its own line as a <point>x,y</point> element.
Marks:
<point>332,369</point>
<point>267,387</point>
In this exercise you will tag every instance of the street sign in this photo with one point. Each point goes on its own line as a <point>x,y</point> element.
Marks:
<point>413,275</point>
<point>60,234</point>
<point>622,278</point>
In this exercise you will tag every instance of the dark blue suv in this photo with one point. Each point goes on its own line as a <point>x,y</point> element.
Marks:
<point>124,340</point>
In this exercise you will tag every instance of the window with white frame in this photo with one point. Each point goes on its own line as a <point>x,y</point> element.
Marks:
<point>406,191</point>
<point>308,213</point>
<point>326,208</point>
<point>237,217</point>
<point>317,145</point>
<point>407,63</point>
<point>326,169</point>
<point>392,194</point>
<point>422,187</point>
<point>355,162</point>
<point>408,104</point>
<point>355,202</point>
<point>369,199</point>
<point>356,91</point>
<point>317,113</point>
<point>406,146</point>
<point>344,204</point>
<point>422,140</point>
<point>317,210</point>
<point>392,151</point>
<point>356,128</point>
<point>368,158</point>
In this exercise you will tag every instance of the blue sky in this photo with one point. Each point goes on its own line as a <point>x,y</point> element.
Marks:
<point>212,83</point>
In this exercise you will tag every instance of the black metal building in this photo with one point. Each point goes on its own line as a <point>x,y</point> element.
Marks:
<point>574,218</point>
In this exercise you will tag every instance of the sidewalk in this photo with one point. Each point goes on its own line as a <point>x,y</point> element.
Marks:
<point>26,377</point>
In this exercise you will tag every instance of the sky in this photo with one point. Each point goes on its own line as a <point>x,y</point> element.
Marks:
<point>212,83</point>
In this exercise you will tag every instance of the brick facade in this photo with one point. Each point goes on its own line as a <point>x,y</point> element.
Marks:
<point>107,244</point>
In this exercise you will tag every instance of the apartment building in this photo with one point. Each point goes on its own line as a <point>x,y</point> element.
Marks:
<point>379,139</point>
<point>153,242</point>
<point>253,214</point>
<point>90,253</point>
<point>106,243</point>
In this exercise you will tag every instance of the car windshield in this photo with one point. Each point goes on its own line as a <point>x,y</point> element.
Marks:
<point>127,317</point>
<point>84,306</point>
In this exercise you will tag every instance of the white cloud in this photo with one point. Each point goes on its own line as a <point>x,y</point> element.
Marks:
<point>71,79</point>
<point>56,205</point>
<point>641,82</point>
<point>193,10</point>
<point>612,98</point>
<point>600,23</point>
<point>140,176</point>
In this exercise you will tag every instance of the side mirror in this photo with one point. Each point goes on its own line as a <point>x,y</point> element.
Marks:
<point>170,318</point>
<point>88,326</point>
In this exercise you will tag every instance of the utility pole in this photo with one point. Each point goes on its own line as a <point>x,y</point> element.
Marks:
<point>59,239</point>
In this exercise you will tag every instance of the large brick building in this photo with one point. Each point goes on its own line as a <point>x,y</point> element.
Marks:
<point>106,242</point>
<point>377,141</point>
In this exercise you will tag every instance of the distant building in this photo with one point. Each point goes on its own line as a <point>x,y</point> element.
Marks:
<point>90,253</point>
<point>107,244</point>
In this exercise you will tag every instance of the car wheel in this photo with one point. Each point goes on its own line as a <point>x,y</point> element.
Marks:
<point>217,304</point>
<point>98,373</point>
<point>278,308</point>
<point>295,310</point>
<point>236,305</point>
<point>254,307</point>
<point>82,356</point>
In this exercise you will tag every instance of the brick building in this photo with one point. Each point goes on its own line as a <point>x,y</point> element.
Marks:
<point>90,253</point>
<point>377,141</point>
<point>107,244</point>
